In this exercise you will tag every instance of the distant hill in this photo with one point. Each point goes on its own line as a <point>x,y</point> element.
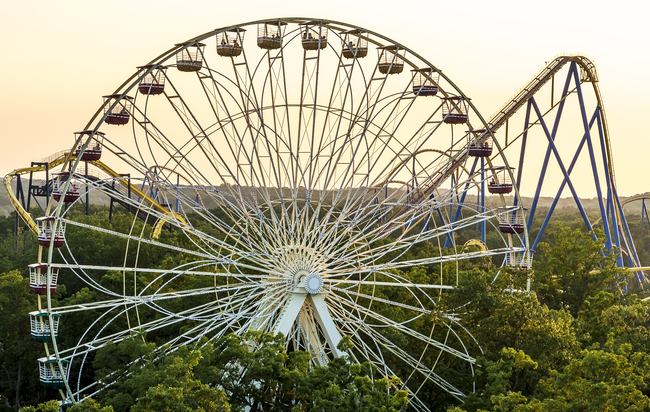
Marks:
<point>591,205</point>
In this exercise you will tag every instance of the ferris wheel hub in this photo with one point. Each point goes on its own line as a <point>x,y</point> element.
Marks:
<point>313,283</point>
<point>304,280</point>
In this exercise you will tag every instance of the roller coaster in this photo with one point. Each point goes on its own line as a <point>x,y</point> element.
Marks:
<point>320,172</point>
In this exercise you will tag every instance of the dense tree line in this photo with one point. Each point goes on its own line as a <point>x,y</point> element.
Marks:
<point>578,341</point>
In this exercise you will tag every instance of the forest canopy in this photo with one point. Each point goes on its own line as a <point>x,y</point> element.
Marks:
<point>579,340</point>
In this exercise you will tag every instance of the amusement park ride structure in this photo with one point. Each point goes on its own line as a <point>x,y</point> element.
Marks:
<point>320,166</point>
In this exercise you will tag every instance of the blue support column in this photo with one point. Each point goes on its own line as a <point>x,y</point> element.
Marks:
<point>561,164</point>
<point>524,140</point>
<point>611,207</point>
<point>592,158</point>
<point>631,249</point>
<point>547,156</point>
<point>557,197</point>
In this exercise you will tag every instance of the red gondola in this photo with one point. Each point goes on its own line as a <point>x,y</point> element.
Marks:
<point>269,35</point>
<point>500,181</point>
<point>314,35</point>
<point>479,143</point>
<point>355,44</point>
<point>425,81</point>
<point>117,109</point>
<point>94,149</point>
<point>190,57</point>
<point>46,235</point>
<point>58,185</point>
<point>391,59</point>
<point>454,110</point>
<point>153,82</point>
<point>38,278</point>
<point>511,220</point>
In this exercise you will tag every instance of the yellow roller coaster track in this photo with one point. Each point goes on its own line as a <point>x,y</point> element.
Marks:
<point>58,159</point>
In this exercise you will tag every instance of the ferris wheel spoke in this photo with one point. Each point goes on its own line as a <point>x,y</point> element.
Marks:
<point>201,136</point>
<point>417,366</point>
<point>427,261</point>
<point>216,258</point>
<point>386,322</point>
<point>308,207</point>
<point>418,214</point>
<point>91,345</point>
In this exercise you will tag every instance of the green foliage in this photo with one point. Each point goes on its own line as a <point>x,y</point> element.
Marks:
<point>49,406</point>
<point>18,351</point>
<point>576,267</point>
<point>575,343</point>
<point>90,405</point>
<point>235,373</point>
<point>180,391</point>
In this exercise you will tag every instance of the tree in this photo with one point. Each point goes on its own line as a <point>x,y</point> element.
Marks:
<point>576,267</point>
<point>180,391</point>
<point>18,351</point>
<point>49,406</point>
<point>596,381</point>
<point>89,405</point>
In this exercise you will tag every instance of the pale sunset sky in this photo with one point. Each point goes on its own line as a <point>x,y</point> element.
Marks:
<point>60,57</point>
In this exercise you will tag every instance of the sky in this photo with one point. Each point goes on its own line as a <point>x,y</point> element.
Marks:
<point>60,58</point>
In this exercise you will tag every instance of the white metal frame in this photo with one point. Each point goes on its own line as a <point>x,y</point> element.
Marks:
<point>333,180</point>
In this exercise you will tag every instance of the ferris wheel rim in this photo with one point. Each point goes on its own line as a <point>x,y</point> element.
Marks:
<point>170,55</point>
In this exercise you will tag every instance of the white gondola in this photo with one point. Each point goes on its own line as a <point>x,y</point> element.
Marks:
<point>51,375</point>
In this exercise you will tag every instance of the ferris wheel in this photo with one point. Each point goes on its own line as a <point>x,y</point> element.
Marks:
<point>288,176</point>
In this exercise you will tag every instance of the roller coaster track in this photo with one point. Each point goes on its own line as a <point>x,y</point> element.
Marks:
<point>125,188</point>
<point>588,74</point>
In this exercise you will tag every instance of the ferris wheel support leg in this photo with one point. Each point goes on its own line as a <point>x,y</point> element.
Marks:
<point>324,318</point>
<point>289,313</point>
